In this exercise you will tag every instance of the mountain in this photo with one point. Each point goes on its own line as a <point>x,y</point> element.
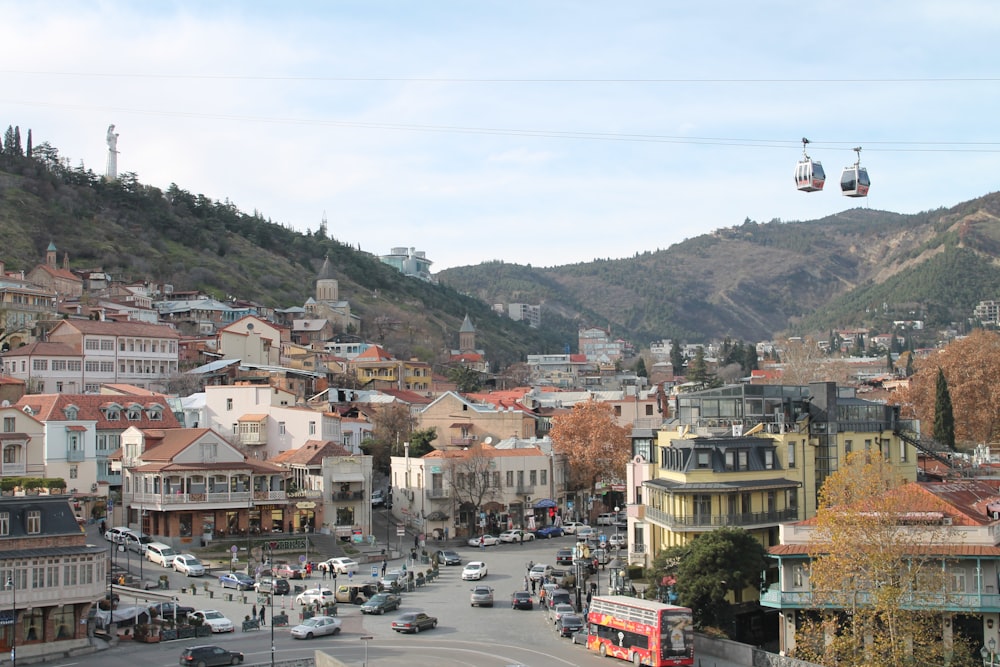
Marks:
<point>757,280</point>
<point>749,282</point>
<point>136,232</point>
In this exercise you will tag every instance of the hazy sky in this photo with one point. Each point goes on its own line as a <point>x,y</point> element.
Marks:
<point>536,132</point>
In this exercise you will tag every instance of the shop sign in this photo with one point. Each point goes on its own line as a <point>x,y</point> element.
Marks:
<point>306,505</point>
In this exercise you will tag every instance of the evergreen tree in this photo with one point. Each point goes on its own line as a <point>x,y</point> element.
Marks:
<point>18,150</point>
<point>888,361</point>
<point>8,141</point>
<point>909,364</point>
<point>698,368</point>
<point>944,417</point>
<point>29,150</point>
<point>859,346</point>
<point>640,368</point>
<point>676,358</point>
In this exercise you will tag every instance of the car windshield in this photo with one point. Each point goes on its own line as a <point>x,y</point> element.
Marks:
<point>213,615</point>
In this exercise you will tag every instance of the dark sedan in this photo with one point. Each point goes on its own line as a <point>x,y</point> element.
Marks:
<point>522,600</point>
<point>448,557</point>
<point>381,603</point>
<point>414,622</point>
<point>240,582</point>
<point>564,557</point>
<point>171,610</point>
<point>569,624</point>
<point>210,656</point>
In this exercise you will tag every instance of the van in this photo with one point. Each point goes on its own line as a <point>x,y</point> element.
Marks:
<point>161,554</point>
<point>607,519</point>
<point>137,542</point>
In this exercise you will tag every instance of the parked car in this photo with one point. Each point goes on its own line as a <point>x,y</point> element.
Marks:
<point>557,597</point>
<point>516,535</point>
<point>393,578</point>
<point>557,610</point>
<point>314,595</point>
<point>161,554</point>
<point>171,610</point>
<point>474,570</point>
<point>606,519</point>
<point>316,626</point>
<point>522,600</point>
<point>117,534</point>
<point>482,596</point>
<point>378,498</point>
<point>570,527</point>
<point>539,571</point>
<point>137,542</point>
<point>569,625</point>
<point>381,603</point>
<point>237,580</point>
<point>213,619</point>
<point>414,622</point>
<point>288,571</point>
<point>618,540</point>
<point>583,533</point>
<point>448,557</point>
<point>484,540</point>
<point>548,532</point>
<point>188,565</point>
<point>209,656</point>
<point>340,565</point>
<point>272,584</point>
<point>564,557</point>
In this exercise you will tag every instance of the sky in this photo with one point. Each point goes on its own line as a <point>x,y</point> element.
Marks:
<point>538,132</point>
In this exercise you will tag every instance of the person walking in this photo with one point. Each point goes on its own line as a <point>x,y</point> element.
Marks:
<point>534,584</point>
<point>262,622</point>
<point>482,543</point>
<point>383,567</point>
<point>522,539</point>
<point>254,615</point>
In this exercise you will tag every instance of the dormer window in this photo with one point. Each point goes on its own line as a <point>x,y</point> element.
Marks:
<point>134,412</point>
<point>154,413</point>
<point>112,414</point>
<point>71,412</point>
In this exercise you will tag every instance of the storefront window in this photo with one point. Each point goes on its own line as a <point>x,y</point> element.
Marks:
<point>277,521</point>
<point>185,520</point>
<point>232,523</point>
<point>32,625</point>
<point>208,523</point>
<point>62,622</point>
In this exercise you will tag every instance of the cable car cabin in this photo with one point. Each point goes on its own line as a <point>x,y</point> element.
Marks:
<point>854,182</point>
<point>809,175</point>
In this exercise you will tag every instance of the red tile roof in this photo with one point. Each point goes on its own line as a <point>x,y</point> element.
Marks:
<point>311,453</point>
<point>140,329</point>
<point>43,349</point>
<point>52,407</point>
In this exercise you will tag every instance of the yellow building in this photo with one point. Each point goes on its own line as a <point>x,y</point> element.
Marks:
<point>377,369</point>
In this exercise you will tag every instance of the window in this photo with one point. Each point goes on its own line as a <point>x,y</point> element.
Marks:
<point>847,446</point>
<point>543,476</point>
<point>73,472</point>
<point>58,364</point>
<point>649,410</point>
<point>92,366</point>
<point>703,459</point>
<point>903,456</point>
<point>108,345</point>
<point>312,428</point>
<point>8,424</point>
<point>768,459</point>
<point>618,411</point>
<point>229,404</point>
<point>510,478</point>
<point>730,460</point>
<point>92,344</point>
<point>771,502</point>
<point>4,523</point>
<point>281,428</point>
<point>798,575</point>
<point>73,365</point>
<point>34,522</point>
<point>744,457</point>
<point>791,455</point>
<point>533,477</point>
<point>793,499</point>
<point>39,364</point>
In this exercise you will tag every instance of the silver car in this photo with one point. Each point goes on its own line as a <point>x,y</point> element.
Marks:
<point>482,596</point>
<point>188,565</point>
<point>316,626</point>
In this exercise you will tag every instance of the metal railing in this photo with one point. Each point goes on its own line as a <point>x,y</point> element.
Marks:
<point>719,520</point>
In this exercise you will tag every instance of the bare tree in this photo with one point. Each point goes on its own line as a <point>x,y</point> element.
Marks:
<point>472,477</point>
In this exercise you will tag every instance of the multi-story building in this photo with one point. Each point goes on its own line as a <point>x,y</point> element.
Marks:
<point>58,279</point>
<point>144,355</point>
<point>190,484</point>
<point>377,369</point>
<point>82,431</point>
<point>515,483</point>
<point>54,578</point>
<point>22,306</point>
<point>46,368</point>
<point>558,370</point>
<point>987,312</point>
<point>596,344</point>
<point>264,420</point>
<point>461,422</point>
<point>252,340</point>
<point>22,439</point>
<point>306,483</point>
<point>955,523</point>
<point>410,262</point>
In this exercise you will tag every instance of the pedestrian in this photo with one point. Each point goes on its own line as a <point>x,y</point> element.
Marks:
<point>104,527</point>
<point>416,542</point>
<point>262,622</point>
<point>534,584</point>
<point>254,615</point>
<point>383,568</point>
<point>482,543</point>
<point>531,564</point>
<point>323,568</point>
<point>541,598</point>
<point>522,539</point>
<point>526,582</point>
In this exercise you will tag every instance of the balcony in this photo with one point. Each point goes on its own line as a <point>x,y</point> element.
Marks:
<point>230,499</point>
<point>956,602</point>
<point>75,455</point>
<point>13,469</point>
<point>252,439</point>
<point>699,522</point>
<point>524,489</point>
<point>467,441</point>
<point>113,478</point>
<point>438,494</point>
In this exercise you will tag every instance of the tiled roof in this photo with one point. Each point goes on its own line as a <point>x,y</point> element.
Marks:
<point>51,407</point>
<point>374,353</point>
<point>482,449</point>
<point>42,349</point>
<point>311,453</point>
<point>119,328</point>
<point>60,273</point>
<point>170,443</point>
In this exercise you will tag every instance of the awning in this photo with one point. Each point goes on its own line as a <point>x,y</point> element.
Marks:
<point>461,425</point>
<point>545,503</point>
<point>337,478</point>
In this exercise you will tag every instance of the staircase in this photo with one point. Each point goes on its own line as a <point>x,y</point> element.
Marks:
<point>324,546</point>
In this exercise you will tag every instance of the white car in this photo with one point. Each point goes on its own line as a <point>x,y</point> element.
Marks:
<point>314,595</point>
<point>539,571</point>
<point>340,565</point>
<point>188,565</point>
<point>583,533</point>
<point>474,570</point>
<point>213,619</point>
<point>117,534</point>
<point>516,536</point>
<point>487,541</point>
<point>570,527</point>
<point>316,626</point>
<point>618,540</point>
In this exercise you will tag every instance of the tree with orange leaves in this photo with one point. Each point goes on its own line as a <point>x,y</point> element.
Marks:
<point>971,367</point>
<point>596,447</point>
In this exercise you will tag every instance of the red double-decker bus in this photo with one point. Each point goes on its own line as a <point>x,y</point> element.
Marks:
<point>641,631</point>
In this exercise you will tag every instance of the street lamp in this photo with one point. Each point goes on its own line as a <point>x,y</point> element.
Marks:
<point>13,627</point>
<point>989,656</point>
<point>366,639</point>
<point>270,554</point>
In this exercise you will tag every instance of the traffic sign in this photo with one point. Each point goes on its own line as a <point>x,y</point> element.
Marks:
<point>374,571</point>
<point>400,530</point>
<point>234,548</point>
<point>302,559</point>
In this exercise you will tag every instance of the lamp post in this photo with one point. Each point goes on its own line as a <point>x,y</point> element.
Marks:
<point>989,656</point>
<point>270,554</point>
<point>249,508</point>
<point>366,639</point>
<point>13,627</point>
